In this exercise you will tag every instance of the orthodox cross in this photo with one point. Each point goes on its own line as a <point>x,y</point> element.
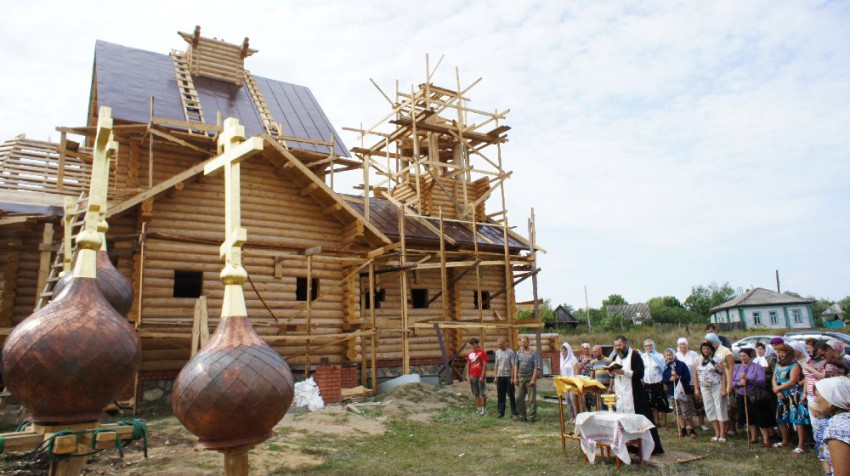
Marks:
<point>232,150</point>
<point>89,240</point>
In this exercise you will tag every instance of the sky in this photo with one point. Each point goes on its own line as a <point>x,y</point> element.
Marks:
<point>661,144</point>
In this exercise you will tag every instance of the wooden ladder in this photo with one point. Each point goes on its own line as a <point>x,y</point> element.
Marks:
<point>188,95</point>
<point>56,268</point>
<point>272,127</point>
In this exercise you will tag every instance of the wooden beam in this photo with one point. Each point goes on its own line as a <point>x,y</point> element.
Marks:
<point>177,141</point>
<point>332,208</point>
<point>310,188</point>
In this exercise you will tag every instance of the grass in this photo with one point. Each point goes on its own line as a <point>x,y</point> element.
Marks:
<point>456,441</point>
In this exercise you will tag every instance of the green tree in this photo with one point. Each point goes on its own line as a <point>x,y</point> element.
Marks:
<point>546,312</point>
<point>845,306</point>
<point>596,316</point>
<point>616,322</point>
<point>703,298</point>
<point>614,300</point>
<point>668,310</point>
<point>819,307</point>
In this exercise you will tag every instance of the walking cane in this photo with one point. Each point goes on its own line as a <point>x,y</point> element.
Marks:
<point>747,414</point>
<point>676,404</point>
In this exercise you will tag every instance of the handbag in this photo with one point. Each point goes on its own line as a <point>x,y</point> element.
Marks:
<point>757,394</point>
<point>679,392</point>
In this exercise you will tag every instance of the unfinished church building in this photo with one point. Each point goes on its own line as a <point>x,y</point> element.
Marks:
<point>388,280</point>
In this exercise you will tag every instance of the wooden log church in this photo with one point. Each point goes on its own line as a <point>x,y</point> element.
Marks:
<point>396,275</point>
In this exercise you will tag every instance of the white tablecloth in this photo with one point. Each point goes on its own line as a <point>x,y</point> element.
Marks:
<point>614,429</point>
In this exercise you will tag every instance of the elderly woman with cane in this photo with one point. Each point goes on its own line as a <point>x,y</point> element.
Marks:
<point>752,396</point>
<point>677,380</point>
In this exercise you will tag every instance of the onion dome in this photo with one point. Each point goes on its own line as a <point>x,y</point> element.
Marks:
<point>115,287</point>
<point>235,390</point>
<point>71,358</point>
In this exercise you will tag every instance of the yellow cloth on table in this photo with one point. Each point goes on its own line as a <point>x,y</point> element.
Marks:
<point>576,384</point>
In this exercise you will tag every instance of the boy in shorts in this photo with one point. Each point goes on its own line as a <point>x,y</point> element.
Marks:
<point>476,364</point>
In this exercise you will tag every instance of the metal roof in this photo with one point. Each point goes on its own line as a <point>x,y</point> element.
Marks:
<point>383,214</point>
<point>631,311</point>
<point>761,297</point>
<point>127,78</point>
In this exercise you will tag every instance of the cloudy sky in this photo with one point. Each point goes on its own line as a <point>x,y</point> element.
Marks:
<point>661,144</point>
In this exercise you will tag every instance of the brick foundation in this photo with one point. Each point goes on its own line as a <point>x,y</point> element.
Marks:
<point>555,356</point>
<point>329,380</point>
<point>350,376</point>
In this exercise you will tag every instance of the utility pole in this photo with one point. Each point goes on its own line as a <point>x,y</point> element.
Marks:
<point>587,308</point>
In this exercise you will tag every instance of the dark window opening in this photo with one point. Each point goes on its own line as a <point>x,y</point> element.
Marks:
<point>419,297</point>
<point>380,295</point>
<point>485,299</point>
<point>301,289</point>
<point>188,284</point>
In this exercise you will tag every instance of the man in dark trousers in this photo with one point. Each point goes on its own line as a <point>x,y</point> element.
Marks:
<point>628,386</point>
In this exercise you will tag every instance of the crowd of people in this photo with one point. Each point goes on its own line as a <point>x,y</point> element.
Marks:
<point>779,395</point>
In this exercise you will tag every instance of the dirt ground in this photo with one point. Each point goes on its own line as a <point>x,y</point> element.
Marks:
<point>297,444</point>
<point>417,429</point>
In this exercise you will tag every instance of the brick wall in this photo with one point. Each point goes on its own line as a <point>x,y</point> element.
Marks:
<point>349,376</point>
<point>556,361</point>
<point>329,380</point>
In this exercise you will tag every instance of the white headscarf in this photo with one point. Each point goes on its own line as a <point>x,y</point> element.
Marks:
<point>568,361</point>
<point>769,350</point>
<point>658,358</point>
<point>800,347</point>
<point>836,391</point>
<point>682,340</point>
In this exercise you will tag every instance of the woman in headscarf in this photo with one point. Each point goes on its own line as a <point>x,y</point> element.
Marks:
<point>728,363</point>
<point>791,410</point>
<point>711,380</point>
<point>677,374</point>
<point>653,374</point>
<point>569,368</point>
<point>813,371</point>
<point>833,400</point>
<point>748,377</point>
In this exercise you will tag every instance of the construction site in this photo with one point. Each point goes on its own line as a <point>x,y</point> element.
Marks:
<point>351,287</point>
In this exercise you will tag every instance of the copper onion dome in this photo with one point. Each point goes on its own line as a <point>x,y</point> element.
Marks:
<point>70,359</point>
<point>115,287</point>
<point>235,390</point>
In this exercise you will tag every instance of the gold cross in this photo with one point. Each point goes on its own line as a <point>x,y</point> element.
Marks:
<point>232,150</point>
<point>89,240</point>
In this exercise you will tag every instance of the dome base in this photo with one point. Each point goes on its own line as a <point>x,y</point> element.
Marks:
<point>235,443</point>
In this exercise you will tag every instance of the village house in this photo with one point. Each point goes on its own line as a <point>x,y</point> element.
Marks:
<point>763,308</point>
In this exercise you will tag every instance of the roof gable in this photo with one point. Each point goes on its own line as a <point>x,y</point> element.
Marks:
<point>127,78</point>
<point>761,297</point>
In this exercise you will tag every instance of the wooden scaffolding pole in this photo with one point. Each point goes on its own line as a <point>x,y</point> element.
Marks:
<point>480,299</point>
<point>405,336</point>
<point>444,280</point>
<point>372,348</point>
<point>533,238</point>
